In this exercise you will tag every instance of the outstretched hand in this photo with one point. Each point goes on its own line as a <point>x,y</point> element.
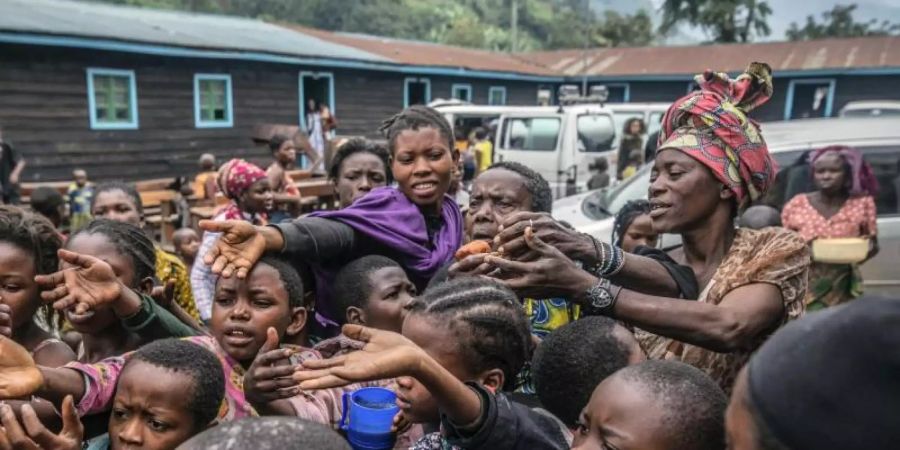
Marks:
<point>236,250</point>
<point>269,377</point>
<point>19,376</point>
<point>511,242</point>
<point>385,355</point>
<point>552,274</point>
<point>87,283</point>
<point>35,435</point>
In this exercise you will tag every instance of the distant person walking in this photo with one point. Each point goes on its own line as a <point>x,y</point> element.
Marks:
<point>842,207</point>
<point>79,195</point>
<point>11,166</point>
<point>632,141</point>
<point>484,149</point>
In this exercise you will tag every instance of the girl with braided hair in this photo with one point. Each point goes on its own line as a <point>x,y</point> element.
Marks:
<point>462,344</point>
<point>28,246</point>
<point>414,223</point>
<point>632,227</point>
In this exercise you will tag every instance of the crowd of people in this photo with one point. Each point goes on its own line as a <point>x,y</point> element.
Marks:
<point>497,326</point>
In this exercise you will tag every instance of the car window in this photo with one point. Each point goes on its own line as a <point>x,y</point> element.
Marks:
<point>633,188</point>
<point>595,132</point>
<point>655,122</point>
<point>534,134</point>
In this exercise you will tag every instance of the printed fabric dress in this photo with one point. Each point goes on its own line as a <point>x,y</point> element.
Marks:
<point>773,256</point>
<point>832,284</point>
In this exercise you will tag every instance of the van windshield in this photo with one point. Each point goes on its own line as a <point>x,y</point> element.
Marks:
<point>596,133</point>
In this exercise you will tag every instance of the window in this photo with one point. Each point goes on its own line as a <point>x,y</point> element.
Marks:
<point>655,122</point>
<point>212,101</point>
<point>112,99</point>
<point>417,91</point>
<point>461,92</point>
<point>534,134</point>
<point>809,98</point>
<point>595,133</point>
<point>497,95</point>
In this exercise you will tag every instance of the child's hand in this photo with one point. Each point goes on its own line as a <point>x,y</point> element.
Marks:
<point>401,424</point>
<point>164,295</point>
<point>6,328</point>
<point>35,436</point>
<point>269,377</point>
<point>90,283</point>
<point>19,377</point>
<point>385,355</point>
<point>236,250</point>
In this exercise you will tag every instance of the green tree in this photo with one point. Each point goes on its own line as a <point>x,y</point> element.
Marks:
<point>724,20</point>
<point>839,22</point>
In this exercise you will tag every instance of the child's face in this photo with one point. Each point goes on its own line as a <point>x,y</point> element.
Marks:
<point>149,409</point>
<point>286,154</point>
<point>422,165</point>
<point>258,198</point>
<point>360,173</point>
<point>390,295</point>
<point>620,415</point>
<point>99,246</point>
<point>244,309</point>
<point>438,341</point>
<point>17,286</point>
<point>80,178</point>
<point>640,232</point>
<point>118,206</point>
<point>189,246</point>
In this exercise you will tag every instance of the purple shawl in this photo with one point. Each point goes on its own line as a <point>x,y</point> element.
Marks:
<point>393,222</point>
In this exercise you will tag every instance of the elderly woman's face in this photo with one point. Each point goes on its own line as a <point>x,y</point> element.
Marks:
<point>683,192</point>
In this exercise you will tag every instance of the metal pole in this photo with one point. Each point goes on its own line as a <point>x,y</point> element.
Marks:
<point>587,38</point>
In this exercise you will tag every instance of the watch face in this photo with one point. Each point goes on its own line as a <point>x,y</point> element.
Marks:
<point>600,298</point>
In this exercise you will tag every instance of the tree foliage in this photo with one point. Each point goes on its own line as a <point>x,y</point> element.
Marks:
<point>839,22</point>
<point>723,20</point>
<point>542,24</point>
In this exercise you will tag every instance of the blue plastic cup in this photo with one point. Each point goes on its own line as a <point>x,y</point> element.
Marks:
<point>367,417</point>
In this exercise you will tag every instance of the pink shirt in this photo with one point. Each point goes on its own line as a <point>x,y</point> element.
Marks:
<point>856,218</point>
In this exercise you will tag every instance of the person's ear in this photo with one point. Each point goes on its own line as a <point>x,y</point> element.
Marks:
<point>298,321</point>
<point>146,285</point>
<point>725,193</point>
<point>493,380</point>
<point>356,316</point>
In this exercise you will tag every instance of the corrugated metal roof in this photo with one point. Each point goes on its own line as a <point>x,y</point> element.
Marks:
<point>205,31</point>
<point>852,53</point>
<point>429,54</point>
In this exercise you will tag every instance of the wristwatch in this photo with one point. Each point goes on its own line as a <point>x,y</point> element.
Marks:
<point>599,299</point>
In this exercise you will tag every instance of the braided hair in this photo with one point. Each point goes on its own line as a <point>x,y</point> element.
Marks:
<point>488,320</point>
<point>360,145</point>
<point>632,210</point>
<point>35,234</point>
<point>537,186</point>
<point>129,241</point>
<point>113,186</point>
<point>414,118</point>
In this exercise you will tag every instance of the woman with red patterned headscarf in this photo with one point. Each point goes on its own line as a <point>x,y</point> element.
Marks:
<point>842,207</point>
<point>712,162</point>
<point>250,198</point>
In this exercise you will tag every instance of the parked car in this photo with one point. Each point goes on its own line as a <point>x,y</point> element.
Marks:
<point>871,108</point>
<point>878,139</point>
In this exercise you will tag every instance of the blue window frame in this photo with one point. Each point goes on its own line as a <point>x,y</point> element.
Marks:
<point>213,106</point>
<point>807,98</point>
<point>416,91</point>
<point>497,95</point>
<point>461,91</point>
<point>112,99</point>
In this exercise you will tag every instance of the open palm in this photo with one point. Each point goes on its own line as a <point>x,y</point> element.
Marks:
<point>238,248</point>
<point>88,282</point>
<point>19,377</point>
<point>385,355</point>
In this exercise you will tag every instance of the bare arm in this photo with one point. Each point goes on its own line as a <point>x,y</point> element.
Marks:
<point>17,171</point>
<point>60,382</point>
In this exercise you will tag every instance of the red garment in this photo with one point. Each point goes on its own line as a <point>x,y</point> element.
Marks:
<point>711,125</point>
<point>856,218</point>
